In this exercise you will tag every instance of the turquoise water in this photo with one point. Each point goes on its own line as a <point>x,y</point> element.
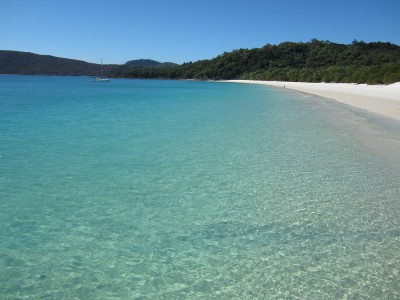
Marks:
<point>139,189</point>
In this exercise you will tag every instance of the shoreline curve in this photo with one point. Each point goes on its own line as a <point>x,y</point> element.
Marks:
<point>383,100</point>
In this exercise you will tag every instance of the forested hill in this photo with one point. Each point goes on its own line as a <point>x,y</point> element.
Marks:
<point>139,64</point>
<point>26,63</point>
<point>314,61</point>
<point>15,62</point>
<point>147,63</point>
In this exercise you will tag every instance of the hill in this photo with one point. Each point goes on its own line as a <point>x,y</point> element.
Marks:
<point>26,63</point>
<point>147,63</point>
<point>314,61</point>
<point>142,63</point>
<point>139,65</point>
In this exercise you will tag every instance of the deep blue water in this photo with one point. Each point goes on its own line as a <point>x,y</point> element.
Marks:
<point>140,189</point>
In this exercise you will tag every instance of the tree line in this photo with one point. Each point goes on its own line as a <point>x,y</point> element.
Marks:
<point>314,61</point>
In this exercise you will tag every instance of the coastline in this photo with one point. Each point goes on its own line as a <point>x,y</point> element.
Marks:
<point>383,100</point>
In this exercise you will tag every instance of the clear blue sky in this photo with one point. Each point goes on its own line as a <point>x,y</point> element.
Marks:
<point>182,31</point>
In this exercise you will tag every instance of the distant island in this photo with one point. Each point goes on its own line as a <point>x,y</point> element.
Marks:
<point>314,61</point>
<point>27,63</point>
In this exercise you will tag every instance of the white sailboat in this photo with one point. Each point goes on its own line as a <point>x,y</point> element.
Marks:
<point>101,78</point>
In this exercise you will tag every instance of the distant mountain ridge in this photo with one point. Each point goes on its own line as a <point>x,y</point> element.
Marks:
<point>27,63</point>
<point>148,63</point>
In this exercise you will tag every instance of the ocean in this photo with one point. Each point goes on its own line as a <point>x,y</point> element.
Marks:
<point>153,189</point>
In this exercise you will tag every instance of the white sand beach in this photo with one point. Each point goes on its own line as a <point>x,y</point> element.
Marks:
<point>380,99</point>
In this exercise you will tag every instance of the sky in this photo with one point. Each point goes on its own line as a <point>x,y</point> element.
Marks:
<point>178,31</point>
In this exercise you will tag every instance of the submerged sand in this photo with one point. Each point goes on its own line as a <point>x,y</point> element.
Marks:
<point>380,99</point>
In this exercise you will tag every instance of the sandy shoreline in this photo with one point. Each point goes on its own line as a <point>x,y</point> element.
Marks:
<point>380,99</point>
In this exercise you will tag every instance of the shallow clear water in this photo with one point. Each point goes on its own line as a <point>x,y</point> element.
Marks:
<point>141,189</point>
